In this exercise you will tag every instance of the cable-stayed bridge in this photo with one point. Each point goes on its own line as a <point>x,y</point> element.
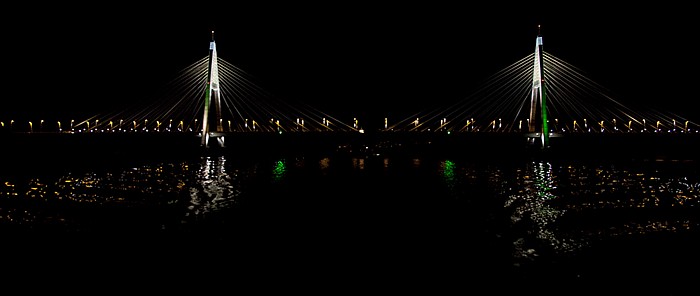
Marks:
<point>539,93</point>
<point>539,96</point>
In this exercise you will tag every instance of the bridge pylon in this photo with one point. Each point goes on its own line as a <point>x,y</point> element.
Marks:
<point>538,103</point>
<point>212,95</point>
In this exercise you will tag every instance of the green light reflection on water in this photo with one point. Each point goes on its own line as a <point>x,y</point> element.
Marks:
<point>449,174</point>
<point>279,170</point>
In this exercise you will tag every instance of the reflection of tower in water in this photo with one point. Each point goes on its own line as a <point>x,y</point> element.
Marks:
<point>530,199</point>
<point>214,188</point>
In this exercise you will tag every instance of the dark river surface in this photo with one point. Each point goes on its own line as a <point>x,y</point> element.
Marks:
<point>343,216</point>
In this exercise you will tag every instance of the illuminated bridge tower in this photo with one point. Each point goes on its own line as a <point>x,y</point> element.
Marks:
<point>538,97</point>
<point>212,93</point>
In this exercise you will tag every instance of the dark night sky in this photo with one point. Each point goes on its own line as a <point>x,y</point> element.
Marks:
<point>360,57</point>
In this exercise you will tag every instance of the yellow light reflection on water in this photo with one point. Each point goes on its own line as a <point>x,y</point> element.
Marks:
<point>358,163</point>
<point>325,163</point>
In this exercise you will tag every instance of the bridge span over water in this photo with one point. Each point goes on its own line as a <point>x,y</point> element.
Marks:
<point>537,97</point>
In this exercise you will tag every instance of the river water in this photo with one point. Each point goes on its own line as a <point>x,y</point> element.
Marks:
<point>354,217</point>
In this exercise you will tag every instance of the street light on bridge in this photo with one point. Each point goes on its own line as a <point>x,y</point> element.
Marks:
<point>674,125</point>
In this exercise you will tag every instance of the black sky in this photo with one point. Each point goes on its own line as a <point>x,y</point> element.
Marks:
<point>363,57</point>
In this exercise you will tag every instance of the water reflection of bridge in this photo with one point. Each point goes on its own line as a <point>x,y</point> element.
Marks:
<point>214,98</point>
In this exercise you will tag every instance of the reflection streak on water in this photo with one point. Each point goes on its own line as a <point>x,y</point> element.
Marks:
<point>279,170</point>
<point>324,164</point>
<point>214,187</point>
<point>209,187</point>
<point>530,203</point>
<point>358,163</point>
<point>637,201</point>
<point>551,207</point>
<point>448,169</point>
<point>661,196</point>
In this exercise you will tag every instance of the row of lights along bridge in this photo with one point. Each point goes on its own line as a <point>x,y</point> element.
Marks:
<point>299,125</point>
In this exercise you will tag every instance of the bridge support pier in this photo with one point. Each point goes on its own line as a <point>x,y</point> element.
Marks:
<point>219,137</point>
